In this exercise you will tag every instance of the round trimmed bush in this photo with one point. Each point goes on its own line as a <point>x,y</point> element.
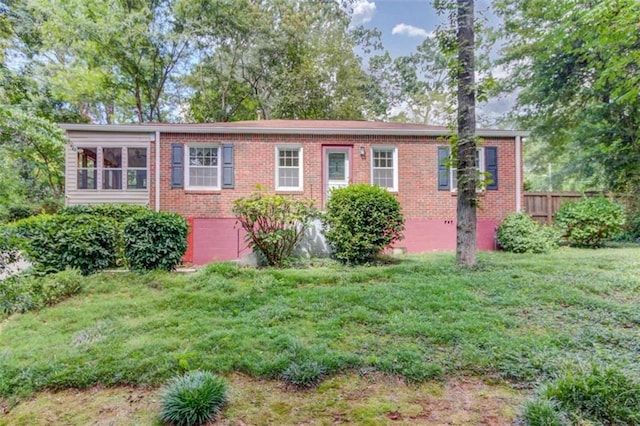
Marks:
<point>155,240</point>
<point>519,233</point>
<point>361,221</point>
<point>590,221</point>
<point>193,399</point>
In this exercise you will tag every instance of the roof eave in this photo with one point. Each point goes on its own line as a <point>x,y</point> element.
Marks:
<point>134,128</point>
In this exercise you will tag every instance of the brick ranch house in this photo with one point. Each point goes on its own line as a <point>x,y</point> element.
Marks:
<point>198,170</point>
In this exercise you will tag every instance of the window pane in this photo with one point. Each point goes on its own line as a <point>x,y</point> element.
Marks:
<point>112,179</point>
<point>87,179</point>
<point>288,177</point>
<point>87,157</point>
<point>203,176</point>
<point>336,166</point>
<point>383,178</point>
<point>137,157</point>
<point>136,179</point>
<point>112,158</point>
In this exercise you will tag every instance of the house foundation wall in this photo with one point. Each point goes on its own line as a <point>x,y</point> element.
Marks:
<point>221,239</point>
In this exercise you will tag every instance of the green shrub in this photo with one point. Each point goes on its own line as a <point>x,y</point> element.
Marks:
<point>54,243</point>
<point>193,399</point>
<point>304,374</point>
<point>600,396</point>
<point>361,221</point>
<point>590,221</point>
<point>15,213</point>
<point>8,248</point>
<point>25,293</point>
<point>519,233</point>
<point>155,240</point>
<point>274,223</point>
<point>119,212</point>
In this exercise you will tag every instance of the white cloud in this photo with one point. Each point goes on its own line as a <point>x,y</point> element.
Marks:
<point>411,31</point>
<point>363,11</point>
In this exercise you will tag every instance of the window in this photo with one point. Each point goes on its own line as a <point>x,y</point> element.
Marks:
<point>111,168</point>
<point>384,167</point>
<point>289,168</point>
<point>104,168</point>
<point>203,167</point>
<point>136,168</point>
<point>480,166</point>
<point>87,168</point>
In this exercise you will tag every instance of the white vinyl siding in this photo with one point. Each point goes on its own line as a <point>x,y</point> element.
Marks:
<point>85,172</point>
<point>203,167</point>
<point>289,168</point>
<point>384,167</point>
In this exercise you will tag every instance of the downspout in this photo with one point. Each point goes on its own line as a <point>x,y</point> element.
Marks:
<point>518,173</point>
<point>157,142</point>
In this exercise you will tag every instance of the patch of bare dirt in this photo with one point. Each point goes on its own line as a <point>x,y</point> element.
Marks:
<point>346,399</point>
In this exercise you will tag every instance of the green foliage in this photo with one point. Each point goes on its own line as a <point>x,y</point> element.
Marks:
<point>193,399</point>
<point>418,318</point>
<point>8,248</point>
<point>274,223</point>
<point>361,221</point>
<point>155,240</point>
<point>602,396</point>
<point>577,85</point>
<point>15,213</point>
<point>542,412</point>
<point>519,233</point>
<point>590,221</point>
<point>23,293</point>
<point>55,242</point>
<point>119,212</point>
<point>304,374</point>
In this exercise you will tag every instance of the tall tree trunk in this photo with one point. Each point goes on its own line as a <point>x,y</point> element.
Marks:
<point>466,211</point>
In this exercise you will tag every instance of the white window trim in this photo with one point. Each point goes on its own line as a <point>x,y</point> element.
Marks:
<point>125,170</point>
<point>187,168</point>
<point>395,164</point>
<point>100,166</point>
<point>300,167</point>
<point>481,169</point>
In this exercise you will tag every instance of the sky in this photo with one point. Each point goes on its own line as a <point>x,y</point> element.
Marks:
<point>406,23</point>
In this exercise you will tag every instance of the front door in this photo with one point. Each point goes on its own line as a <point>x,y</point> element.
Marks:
<point>336,169</point>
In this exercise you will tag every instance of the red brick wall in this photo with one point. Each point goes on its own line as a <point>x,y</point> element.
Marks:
<point>255,164</point>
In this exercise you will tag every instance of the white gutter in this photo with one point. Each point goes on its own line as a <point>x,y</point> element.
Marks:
<point>518,173</point>
<point>186,128</point>
<point>157,179</point>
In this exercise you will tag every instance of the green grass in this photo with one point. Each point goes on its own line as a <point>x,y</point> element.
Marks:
<point>519,318</point>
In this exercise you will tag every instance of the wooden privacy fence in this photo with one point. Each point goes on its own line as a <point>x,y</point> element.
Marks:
<point>541,206</point>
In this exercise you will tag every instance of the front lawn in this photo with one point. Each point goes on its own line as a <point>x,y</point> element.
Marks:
<point>516,318</point>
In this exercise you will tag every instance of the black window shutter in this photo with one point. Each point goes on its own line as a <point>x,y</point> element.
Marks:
<point>227,166</point>
<point>443,168</point>
<point>177,165</point>
<point>491,165</point>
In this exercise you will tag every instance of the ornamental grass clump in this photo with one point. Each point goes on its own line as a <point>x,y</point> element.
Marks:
<point>602,396</point>
<point>304,374</point>
<point>193,399</point>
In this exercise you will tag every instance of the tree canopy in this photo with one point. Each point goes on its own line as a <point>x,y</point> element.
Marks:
<point>576,67</point>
